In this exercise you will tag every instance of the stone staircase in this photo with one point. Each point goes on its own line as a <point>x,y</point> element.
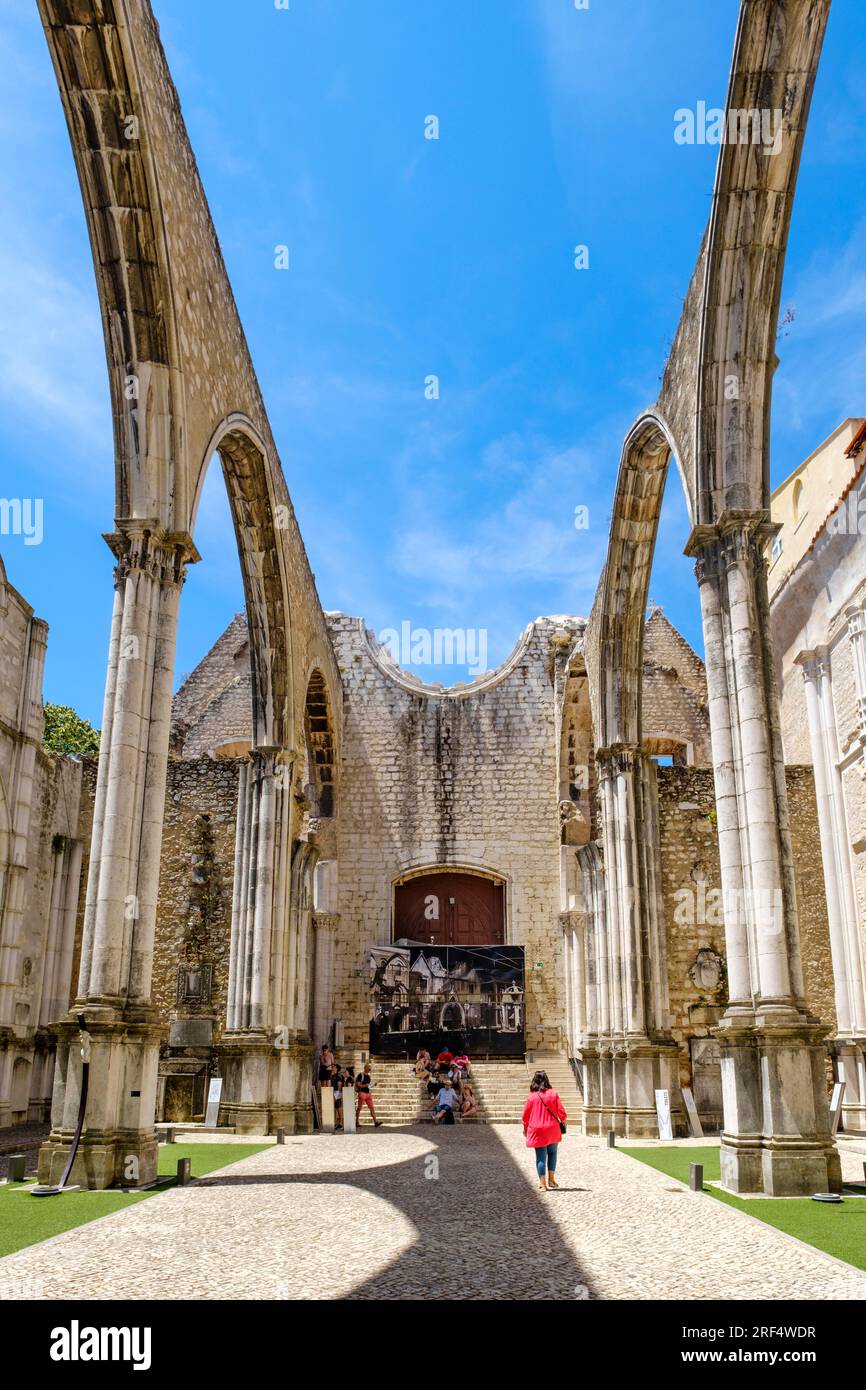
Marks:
<point>500,1086</point>
<point>562,1079</point>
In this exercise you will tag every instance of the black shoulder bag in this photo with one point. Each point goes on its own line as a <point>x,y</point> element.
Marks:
<point>562,1127</point>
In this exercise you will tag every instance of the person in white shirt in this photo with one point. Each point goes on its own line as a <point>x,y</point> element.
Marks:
<point>446,1103</point>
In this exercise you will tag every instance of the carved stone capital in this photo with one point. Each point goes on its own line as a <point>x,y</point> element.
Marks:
<point>618,758</point>
<point>140,545</point>
<point>737,538</point>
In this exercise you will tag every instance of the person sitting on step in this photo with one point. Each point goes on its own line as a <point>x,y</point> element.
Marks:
<point>468,1102</point>
<point>446,1103</point>
<point>464,1064</point>
<point>423,1064</point>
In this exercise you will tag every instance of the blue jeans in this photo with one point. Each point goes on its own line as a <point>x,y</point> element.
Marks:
<point>545,1159</point>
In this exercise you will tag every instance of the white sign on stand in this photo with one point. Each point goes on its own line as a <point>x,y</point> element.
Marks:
<point>663,1111</point>
<point>836,1106</point>
<point>328,1110</point>
<point>694,1118</point>
<point>214,1091</point>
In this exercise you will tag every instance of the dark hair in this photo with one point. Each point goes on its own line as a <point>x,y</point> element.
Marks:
<point>540,1082</point>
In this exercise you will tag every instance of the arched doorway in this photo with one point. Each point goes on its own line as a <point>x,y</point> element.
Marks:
<point>450,908</point>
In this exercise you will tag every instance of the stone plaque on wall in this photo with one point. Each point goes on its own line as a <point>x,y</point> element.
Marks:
<point>190,1032</point>
<point>194,983</point>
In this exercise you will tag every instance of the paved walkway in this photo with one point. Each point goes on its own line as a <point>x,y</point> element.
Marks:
<point>412,1213</point>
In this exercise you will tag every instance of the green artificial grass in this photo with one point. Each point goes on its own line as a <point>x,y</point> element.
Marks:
<point>836,1228</point>
<point>24,1220</point>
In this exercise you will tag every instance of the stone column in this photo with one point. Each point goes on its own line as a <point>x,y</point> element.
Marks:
<point>596,1021</point>
<point>266,1058</point>
<point>119,1142</point>
<point>325,925</point>
<point>644,1054</point>
<point>776,1137</point>
<point>849,1043</point>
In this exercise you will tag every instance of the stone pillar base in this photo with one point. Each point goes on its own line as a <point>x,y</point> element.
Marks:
<point>621,1077</point>
<point>266,1088</point>
<point>118,1143</point>
<point>109,1159</point>
<point>650,1067</point>
<point>849,1057</point>
<point>777,1128</point>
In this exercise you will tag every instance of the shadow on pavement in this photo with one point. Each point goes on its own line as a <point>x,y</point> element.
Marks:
<point>483,1231</point>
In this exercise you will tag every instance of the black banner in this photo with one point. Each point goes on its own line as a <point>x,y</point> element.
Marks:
<point>470,997</point>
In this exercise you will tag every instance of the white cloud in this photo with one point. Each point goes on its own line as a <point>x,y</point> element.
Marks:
<point>52,359</point>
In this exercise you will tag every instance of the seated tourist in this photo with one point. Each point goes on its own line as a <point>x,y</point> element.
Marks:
<point>446,1104</point>
<point>464,1064</point>
<point>423,1064</point>
<point>454,1076</point>
<point>468,1103</point>
<point>445,1057</point>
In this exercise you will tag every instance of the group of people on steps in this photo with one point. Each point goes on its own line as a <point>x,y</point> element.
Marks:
<point>449,1086</point>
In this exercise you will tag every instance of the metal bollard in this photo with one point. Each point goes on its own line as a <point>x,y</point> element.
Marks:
<point>183,1171</point>
<point>15,1171</point>
<point>696,1177</point>
<point>611,1138</point>
<point>281,1136</point>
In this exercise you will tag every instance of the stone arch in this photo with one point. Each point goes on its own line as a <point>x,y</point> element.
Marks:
<point>615,637</point>
<point>177,361</point>
<point>715,399</point>
<point>20,1094</point>
<point>320,745</point>
<point>257,519</point>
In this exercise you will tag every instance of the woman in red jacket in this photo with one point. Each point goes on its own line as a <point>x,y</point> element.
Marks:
<point>543,1118</point>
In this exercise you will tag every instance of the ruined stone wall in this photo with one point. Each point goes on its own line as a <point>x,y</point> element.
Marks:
<point>690,883</point>
<point>689,851</point>
<point>57,795</point>
<point>811,895</point>
<point>433,780</point>
<point>674,690</point>
<point>220,671</point>
<point>89,770</point>
<point>198,787</point>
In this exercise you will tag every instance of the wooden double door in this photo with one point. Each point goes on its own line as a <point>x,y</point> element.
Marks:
<point>450,909</point>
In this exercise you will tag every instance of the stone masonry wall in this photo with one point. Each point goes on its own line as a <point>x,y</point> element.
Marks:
<point>433,780</point>
<point>198,787</point>
<point>690,874</point>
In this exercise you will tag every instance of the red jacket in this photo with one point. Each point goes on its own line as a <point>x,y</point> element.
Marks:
<point>540,1113</point>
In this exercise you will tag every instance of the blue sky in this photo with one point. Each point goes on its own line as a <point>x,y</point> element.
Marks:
<point>412,257</point>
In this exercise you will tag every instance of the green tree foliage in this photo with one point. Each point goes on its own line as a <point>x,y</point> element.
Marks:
<point>66,732</point>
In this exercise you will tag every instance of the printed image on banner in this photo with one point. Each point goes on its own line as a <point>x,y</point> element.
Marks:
<point>470,997</point>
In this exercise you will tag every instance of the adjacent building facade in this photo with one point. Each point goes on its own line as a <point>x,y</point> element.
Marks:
<point>817,585</point>
<point>40,869</point>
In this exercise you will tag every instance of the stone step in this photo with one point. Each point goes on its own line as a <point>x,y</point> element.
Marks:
<point>500,1088</point>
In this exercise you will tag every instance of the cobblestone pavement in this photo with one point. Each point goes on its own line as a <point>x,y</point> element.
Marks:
<point>367,1217</point>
